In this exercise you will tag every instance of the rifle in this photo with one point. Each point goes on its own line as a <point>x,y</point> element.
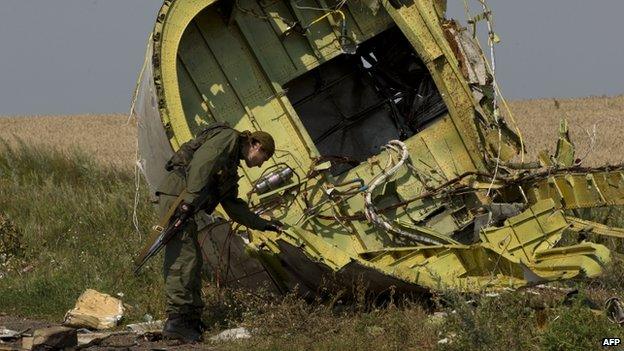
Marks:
<point>170,225</point>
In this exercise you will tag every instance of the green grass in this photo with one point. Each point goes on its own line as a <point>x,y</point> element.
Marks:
<point>75,222</point>
<point>577,328</point>
<point>66,225</point>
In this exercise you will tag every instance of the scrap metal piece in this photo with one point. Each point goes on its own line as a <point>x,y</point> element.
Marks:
<point>54,338</point>
<point>564,153</point>
<point>95,310</point>
<point>531,237</point>
<point>577,188</point>
<point>614,309</point>
<point>146,327</point>
<point>583,225</point>
<point>538,228</point>
<point>88,339</point>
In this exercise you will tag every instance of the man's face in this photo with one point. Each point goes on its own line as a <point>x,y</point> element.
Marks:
<point>256,156</point>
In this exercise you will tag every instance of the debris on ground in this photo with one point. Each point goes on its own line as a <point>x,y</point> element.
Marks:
<point>146,327</point>
<point>87,338</point>
<point>7,334</point>
<point>614,308</point>
<point>24,334</point>
<point>51,338</point>
<point>232,334</point>
<point>448,339</point>
<point>95,310</point>
<point>443,341</point>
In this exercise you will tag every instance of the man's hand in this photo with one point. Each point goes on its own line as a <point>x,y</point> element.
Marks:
<point>183,212</point>
<point>274,226</point>
<point>185,208</point>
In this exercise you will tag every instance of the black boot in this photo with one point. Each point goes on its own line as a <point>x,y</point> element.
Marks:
<point>183,328</point>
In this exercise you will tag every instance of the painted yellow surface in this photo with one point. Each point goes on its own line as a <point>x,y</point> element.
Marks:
<point>214,65</point>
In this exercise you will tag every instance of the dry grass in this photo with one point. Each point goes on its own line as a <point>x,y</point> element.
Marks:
<point>111,140</point>
<point>107,137</point>
<point>539,122</point>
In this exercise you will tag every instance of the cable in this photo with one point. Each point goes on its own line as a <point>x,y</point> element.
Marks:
<point>226,241</point>
<point>371,212</point>
<point>492,39</point>
<point>337,7</point>
<point>259,16</point>
<point>592,144</point>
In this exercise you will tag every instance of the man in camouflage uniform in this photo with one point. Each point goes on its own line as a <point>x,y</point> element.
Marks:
<point>210,173</point>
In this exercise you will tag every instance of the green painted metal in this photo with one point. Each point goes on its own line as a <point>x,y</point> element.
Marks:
<point>230,61</point>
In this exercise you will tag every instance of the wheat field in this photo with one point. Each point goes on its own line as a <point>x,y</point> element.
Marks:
<point>538,121</point>
<point>111,139</point>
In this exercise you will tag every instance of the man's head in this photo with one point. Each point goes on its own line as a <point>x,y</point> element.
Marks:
<point>259,148</point>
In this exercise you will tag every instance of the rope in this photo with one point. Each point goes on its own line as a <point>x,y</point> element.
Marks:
<point>342,17</point>
<point>135,95</point>
<point>137,189</point>
<point>138,166</point>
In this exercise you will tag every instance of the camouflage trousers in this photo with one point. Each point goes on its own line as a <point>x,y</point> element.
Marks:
<point>182,268</point>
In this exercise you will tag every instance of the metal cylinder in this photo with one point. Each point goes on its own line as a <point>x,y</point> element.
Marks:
<point>273,180</point>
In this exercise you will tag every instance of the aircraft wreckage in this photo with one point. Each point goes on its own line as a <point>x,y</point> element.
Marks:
<point>392,166</point>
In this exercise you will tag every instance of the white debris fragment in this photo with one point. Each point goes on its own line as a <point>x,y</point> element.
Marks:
<point>148,317</point>
<point>91,338</point>
<point>95,310</point>
<point>7,333</point>
<point>232,334</point>
<point>448,339</point>
<point>146,327</point>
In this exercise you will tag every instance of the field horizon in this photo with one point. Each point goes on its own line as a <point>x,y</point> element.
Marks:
<point>111,138</point>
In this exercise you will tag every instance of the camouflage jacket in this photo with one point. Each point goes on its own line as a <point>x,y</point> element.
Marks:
<point>213,173</point>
